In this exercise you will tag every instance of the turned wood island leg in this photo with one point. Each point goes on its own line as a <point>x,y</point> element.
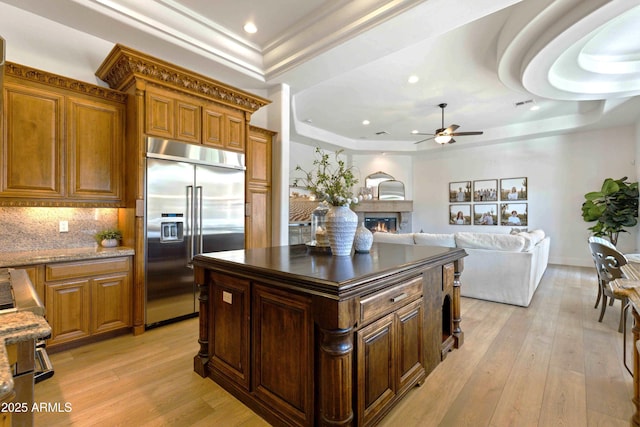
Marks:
<point>335,377</point>
<point>201,359</point>
<point>457,331</point>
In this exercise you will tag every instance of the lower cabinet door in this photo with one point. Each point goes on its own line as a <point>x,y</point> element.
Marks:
<point>230,322</point>
<point>68,310</point>
<point>110,303</point>
<point>282,354</point>
<point>376,368</point>
<point>410,327</point>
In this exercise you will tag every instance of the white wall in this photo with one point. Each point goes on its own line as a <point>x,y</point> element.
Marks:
<point>560,170</point>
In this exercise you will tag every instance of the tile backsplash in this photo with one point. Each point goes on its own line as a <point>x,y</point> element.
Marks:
<point>29,229</point>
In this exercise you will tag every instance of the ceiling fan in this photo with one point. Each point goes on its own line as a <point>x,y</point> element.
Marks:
<point>445,135</point>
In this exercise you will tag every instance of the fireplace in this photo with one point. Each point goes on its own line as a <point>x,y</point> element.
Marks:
<point>394,215</point>
<point>384,225</point>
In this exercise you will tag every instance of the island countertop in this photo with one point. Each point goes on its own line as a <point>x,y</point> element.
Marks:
<point>295,266</point>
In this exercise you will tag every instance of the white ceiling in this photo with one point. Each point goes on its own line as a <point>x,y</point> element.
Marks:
<point>349,60</point>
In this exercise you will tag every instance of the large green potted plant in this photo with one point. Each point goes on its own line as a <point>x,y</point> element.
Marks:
<point>614,207</point>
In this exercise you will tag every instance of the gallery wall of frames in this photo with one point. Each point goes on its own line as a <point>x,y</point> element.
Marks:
<point>489,202</point>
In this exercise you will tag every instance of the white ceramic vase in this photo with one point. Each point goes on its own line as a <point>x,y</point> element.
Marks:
<point>341,223</point>
<point>363,239</point>
<point>109,243</point>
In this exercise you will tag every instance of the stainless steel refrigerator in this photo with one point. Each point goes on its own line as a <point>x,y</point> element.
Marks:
<point>194,204</point>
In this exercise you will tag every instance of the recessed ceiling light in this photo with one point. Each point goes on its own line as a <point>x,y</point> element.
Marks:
<point>534,107</point>
<point>413,79</point>
<point>366,122</point>
<point>250,28</point>
<point>415,131</point>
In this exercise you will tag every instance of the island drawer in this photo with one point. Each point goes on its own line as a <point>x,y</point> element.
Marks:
<point>94,267</point>
<point>374,306</point>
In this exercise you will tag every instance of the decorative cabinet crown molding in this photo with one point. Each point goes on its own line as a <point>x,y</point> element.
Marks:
<point>124,65</point>
<point>27,73</point>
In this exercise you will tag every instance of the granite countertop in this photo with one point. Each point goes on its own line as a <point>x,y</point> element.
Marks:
<point>15,259</point>
<point>16,327</point>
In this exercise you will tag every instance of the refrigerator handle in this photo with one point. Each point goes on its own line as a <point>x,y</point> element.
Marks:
<point>200,219</point>
<point>190,224</point>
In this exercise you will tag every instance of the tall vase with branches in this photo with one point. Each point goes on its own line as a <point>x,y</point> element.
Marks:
<point>614,208</point>
<point>332,180</point>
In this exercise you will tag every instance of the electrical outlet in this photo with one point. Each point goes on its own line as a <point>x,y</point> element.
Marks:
<point>64,226</point>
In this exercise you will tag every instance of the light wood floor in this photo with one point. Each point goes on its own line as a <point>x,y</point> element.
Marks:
<point>551,364</point>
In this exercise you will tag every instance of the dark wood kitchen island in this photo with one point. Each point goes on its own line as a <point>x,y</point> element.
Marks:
<point>312,339</point>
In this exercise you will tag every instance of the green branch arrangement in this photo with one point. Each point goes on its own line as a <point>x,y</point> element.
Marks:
<point>331,182</point>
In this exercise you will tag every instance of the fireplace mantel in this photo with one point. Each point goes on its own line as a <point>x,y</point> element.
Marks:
<point>401,209</point>
<point>383,206</point>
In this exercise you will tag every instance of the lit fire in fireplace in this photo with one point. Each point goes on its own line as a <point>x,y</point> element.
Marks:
<point>381,225</point>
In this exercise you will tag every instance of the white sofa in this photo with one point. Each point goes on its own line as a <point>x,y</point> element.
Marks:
<point>505,268</point>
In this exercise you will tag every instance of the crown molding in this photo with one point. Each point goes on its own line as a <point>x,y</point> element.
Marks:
<point>34,75</point>
<point>123,66</point>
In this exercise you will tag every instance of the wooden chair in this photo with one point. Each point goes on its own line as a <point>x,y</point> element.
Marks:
<point>612,246</point>
<point>608,262</point>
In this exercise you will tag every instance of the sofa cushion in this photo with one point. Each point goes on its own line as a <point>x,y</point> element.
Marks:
<point>537,235</point>
<point>430,239</point>
<point>405,239</point>
<point>498,242</point>
<point>529,242</point>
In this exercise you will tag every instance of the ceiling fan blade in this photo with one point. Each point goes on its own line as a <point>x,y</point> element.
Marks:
<point>451,129</point>
<point>466,133</point>
<point>423,140</point>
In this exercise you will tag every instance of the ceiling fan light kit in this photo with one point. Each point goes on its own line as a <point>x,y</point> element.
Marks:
<point>445,135</point>
<point>443,139</point>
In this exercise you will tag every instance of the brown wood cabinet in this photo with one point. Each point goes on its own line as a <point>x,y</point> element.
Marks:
<point>72,131</point>
<point>172,115</point>
<point>258,188</point>
<point>329,340</point>
<point>87,298</point>
<point>169,101</point>
<point>390,351</point>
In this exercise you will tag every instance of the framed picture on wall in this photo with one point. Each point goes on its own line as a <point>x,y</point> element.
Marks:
<point>513,189</point>
<point>485,214</point>
<point>485,190</point>
<point>460,214</point>
<point>514,214</point>
<point>460,191</point>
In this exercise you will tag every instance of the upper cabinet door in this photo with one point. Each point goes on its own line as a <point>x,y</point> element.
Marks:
<point>160,114</point>
<point>213,120</point>
<point>94,146</point>
<point>32,144</point>
<point>188,122</point>
<point>235,130</point>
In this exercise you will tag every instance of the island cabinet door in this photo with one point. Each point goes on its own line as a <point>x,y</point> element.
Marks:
<point>376,368</point>
<point>410,323</point>
<point>230,322</point>
<point>283,356</point>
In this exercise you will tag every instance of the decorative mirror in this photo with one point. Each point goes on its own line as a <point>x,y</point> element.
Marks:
<point>391,190</point>
<point>372,181</point>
